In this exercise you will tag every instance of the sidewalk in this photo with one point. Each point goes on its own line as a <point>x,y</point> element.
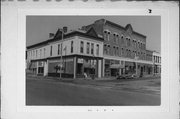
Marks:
<point>89,78</point>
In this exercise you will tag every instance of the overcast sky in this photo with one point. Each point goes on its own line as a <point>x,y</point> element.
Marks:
<point>39,27</point>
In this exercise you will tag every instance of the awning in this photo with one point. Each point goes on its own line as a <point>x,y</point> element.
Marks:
<point>116,66</point>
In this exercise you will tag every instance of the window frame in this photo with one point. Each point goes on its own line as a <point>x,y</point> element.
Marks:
<point>81,47</point>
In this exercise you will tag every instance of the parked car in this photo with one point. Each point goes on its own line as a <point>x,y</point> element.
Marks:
<point>127,76</point>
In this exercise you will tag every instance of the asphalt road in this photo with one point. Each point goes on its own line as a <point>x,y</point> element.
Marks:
<point>50,92</point>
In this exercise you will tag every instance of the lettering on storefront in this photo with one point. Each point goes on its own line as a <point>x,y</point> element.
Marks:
<point>80,60</point>
<point>68,60</point>
<point>64,60</point>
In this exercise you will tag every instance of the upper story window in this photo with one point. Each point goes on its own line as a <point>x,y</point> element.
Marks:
<point>138,53</point>
<point>122,39</point>
<point>114,37</point>
<point>130,54</point>
<point>114,50</point>
<point>33,53</point>
<point>88,47</point>
<point>51,51</point>
<point>106,35</point>
<point>92,48</point>
<point>117,38</point>
<point>117,51</point>
<point>135,54</point>
<point>127,52</point>
<point>105,49</point>
<point>40,53</point>
<point>59,49</point>
<point>138,45</point>
<point>122,51</point>
<point>144,46</point>
<point>97,49</point>
<point>127,41</point>
<point>141,55</point>
<point>141,46</point>
<point>71,46</point>
<point>108,49</point>
<point>82,47</point>
<point>36,53</point>
<point>133,43</point>
<point>44,52</point>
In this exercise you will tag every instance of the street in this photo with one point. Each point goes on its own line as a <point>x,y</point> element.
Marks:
<point>92,92</point>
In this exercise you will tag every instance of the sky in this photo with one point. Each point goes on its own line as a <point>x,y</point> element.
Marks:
<point>39,27</point>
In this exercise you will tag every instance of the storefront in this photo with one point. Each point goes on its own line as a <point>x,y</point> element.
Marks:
<point>67,67</point>
<point>33,67</point>
<point>87,66</point>
<point>40,67</point>
<point>75,67</point>
<point>157,69</point>
<point>113,68</point>
<point>130,67</point>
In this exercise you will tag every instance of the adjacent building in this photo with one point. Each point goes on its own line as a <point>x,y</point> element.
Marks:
<point>103,49</point>
<point>157,63</point>
<point>78,52</point>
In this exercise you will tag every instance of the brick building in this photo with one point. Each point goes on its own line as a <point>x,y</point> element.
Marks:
<point>103,48</point>
<point>124,49</point>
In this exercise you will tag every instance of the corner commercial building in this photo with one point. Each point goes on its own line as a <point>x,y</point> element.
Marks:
<point>103,48</point>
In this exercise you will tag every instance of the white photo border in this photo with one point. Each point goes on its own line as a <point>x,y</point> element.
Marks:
<point>13,55</point>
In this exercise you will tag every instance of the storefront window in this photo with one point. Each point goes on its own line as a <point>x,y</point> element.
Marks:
<point>80,66</point>
<point>107,68</point>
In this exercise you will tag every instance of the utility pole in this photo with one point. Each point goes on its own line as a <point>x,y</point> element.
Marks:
<point>61,65</point>
<point>63,30</point>
<point>136,58</point>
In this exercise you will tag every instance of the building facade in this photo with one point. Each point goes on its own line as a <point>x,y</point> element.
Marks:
<point>103,49</point>
<point>157,63</point>
<point>124,49</point>
<point>78,53</point>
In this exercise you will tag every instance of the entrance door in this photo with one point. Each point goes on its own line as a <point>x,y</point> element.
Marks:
<point>141,74</point>
<point>114,72</point>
